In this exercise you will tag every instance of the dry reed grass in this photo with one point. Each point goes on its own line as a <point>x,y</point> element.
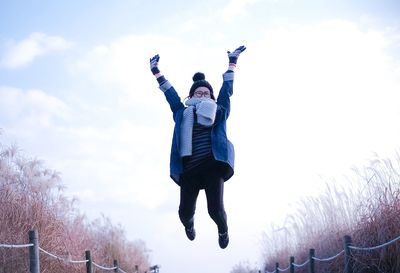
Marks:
<point>367,209</point>
<point>31,197</point>
<point>244,267</point>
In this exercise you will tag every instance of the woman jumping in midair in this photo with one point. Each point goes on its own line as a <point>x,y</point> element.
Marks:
<point>202,157</point>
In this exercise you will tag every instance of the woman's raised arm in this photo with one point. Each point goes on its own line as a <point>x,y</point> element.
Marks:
<point>171,95</point>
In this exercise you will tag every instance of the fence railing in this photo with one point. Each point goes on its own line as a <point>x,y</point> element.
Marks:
<point>35,249</point>
<point>347,252</point>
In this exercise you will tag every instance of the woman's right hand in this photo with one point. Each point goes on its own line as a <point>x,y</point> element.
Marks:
<point>154,64</point>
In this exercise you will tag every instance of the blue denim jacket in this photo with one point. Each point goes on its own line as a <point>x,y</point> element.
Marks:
<point>222,148</point>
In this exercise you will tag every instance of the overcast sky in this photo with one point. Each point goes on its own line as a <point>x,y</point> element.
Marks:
<point>316,92</point>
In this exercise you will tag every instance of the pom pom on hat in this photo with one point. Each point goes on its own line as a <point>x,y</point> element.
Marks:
<point>198,76</point>
<point>199,79</point>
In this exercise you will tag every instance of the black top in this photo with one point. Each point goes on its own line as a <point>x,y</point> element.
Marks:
<point>201,148</point>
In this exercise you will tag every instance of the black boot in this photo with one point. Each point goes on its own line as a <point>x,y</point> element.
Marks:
<point>223,239</point>
<point>190,233</point>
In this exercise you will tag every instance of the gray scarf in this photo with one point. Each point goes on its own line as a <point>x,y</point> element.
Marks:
<point>205,109</point>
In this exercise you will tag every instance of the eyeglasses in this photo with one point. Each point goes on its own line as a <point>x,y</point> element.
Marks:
<point>199,94</point>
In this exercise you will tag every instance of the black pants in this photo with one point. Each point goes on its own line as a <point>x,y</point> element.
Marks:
<point>209,179</point>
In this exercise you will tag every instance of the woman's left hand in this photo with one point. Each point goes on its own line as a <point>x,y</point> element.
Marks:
<point>233,56</point>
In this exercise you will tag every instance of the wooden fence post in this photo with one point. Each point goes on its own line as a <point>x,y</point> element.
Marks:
<point>88,257</point>
<point>34,263</point>
<point>311,268</point>
<point>277,268</point>
<point>291,264</point>
<point>136,269</point>
<point>348,259</point>
<point>116,266</point>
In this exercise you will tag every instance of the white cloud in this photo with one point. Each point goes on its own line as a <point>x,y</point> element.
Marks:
<point>110,157</point>
<point>124,65</point>
<point>329,99</point>
<point>114,163</point>
<point>22,53</point>
<point>31,107</point>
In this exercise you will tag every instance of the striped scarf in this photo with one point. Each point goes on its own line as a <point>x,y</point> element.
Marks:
<point>205,109</point>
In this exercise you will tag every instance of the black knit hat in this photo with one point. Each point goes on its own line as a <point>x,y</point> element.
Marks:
<point>199,79</point>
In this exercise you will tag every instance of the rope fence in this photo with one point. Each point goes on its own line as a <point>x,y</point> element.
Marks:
<point>330,258</point>
<point>15,246</point>
<point>63,259</point>
<point>34,263</point>
<point>34,250</point>
<point>301,265</point>
<point>103,267</point>
<point>348,263</point>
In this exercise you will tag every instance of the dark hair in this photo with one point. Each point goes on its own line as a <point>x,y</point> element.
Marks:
<point>199,79</point>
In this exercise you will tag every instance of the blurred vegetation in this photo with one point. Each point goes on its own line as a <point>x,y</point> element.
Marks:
<point>367,208</point>
<point>32,197</point>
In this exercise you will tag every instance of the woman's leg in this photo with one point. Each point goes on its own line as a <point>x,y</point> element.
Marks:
<point>187,206</point>
<point>215,203</point>
<point>215,200</point>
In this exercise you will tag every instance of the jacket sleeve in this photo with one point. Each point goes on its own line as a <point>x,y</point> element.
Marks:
<point>172,97</point>
<point>226,92</point>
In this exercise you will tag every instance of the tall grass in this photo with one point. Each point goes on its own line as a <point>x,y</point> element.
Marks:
<point>244,267</point>
<point>31,197</point>
<point>367,209</point>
